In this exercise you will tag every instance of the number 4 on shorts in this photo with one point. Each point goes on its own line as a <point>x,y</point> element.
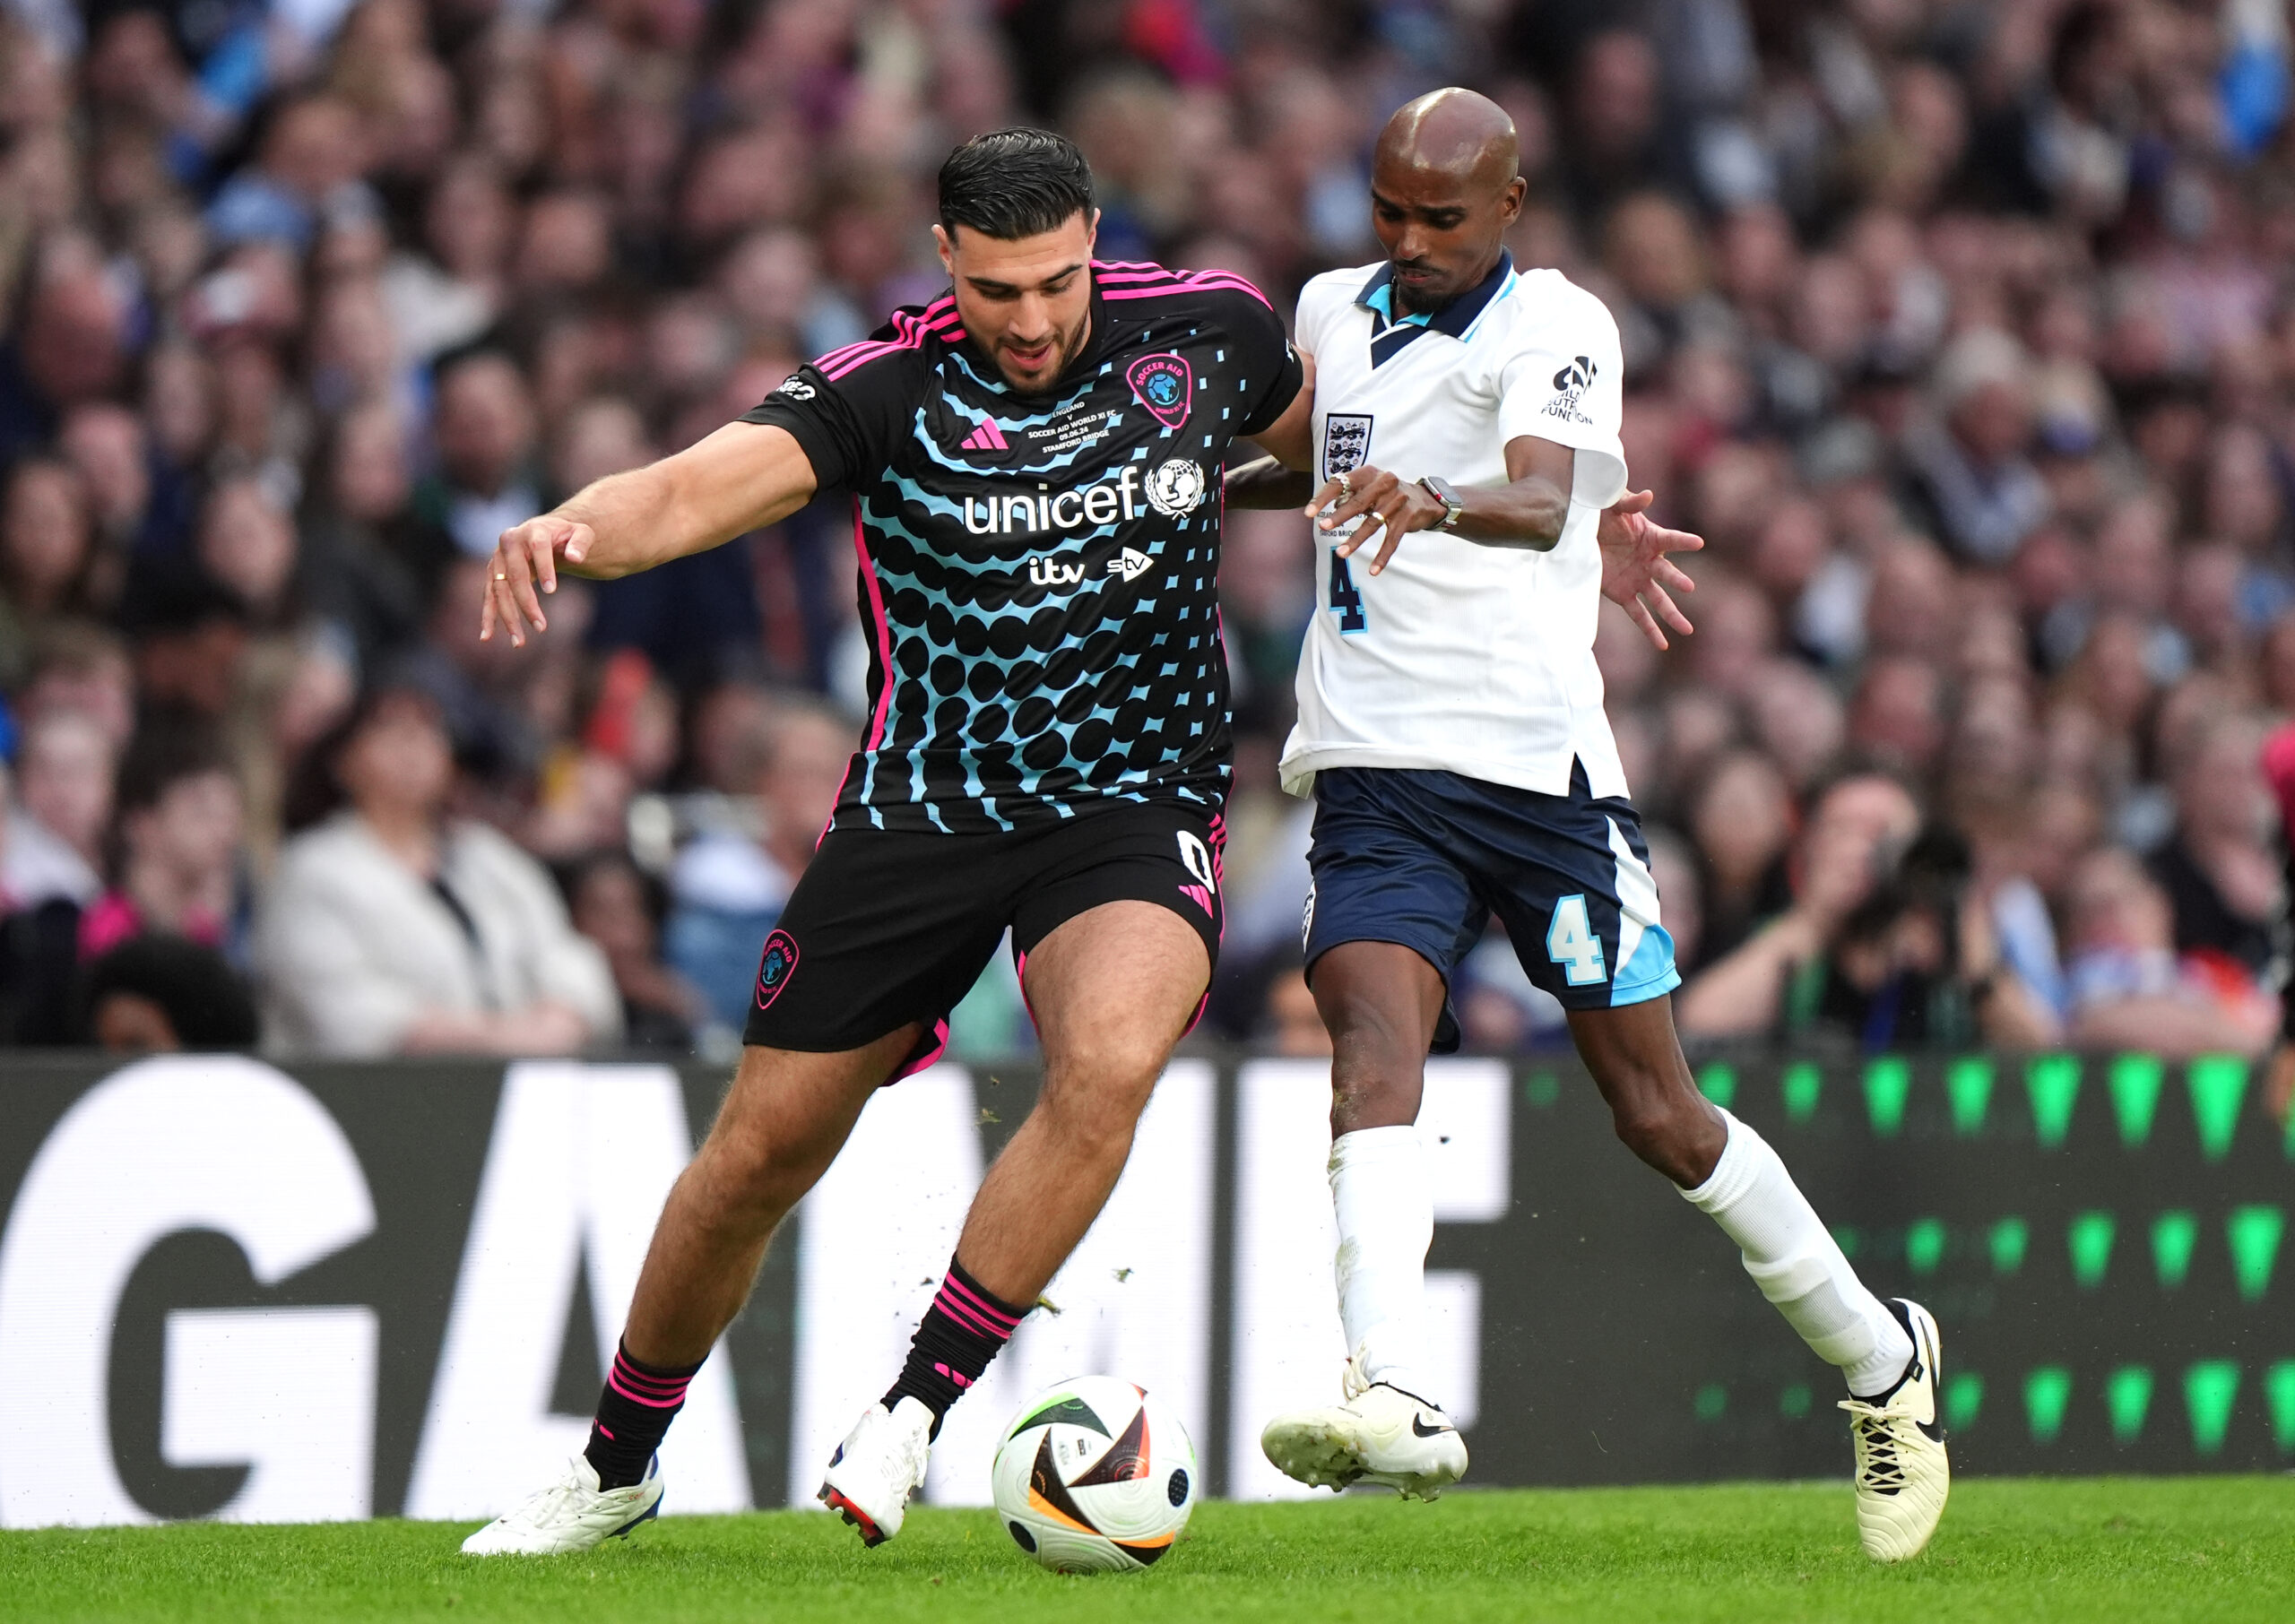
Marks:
<point>1570,943</point>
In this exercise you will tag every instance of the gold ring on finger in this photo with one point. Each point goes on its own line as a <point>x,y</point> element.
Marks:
<point>1346,488</point>
<point>501,574</point>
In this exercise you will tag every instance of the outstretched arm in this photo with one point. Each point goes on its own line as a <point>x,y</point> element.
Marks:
<point>742,478</point>
<point>1528,511</point>
<point>1280,478</point>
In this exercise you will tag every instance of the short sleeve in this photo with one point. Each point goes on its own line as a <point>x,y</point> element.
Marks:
<point>846,416</point>
<point>1271,366</point>
<point>1315,304</point>
<point>1566,382</point>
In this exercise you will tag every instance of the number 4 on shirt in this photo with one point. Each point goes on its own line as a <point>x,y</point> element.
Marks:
<point>1570,943</point>
<point>1346,602</point>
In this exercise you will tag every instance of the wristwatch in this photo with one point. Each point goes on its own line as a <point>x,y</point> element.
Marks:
<point>1447,494</point>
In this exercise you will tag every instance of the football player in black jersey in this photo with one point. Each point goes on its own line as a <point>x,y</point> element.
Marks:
<point>1034,462</point>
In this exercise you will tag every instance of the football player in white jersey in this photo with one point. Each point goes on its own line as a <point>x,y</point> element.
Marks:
<point>1451,733</point>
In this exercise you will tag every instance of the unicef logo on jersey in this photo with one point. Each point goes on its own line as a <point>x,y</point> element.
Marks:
<point>1177,489</point>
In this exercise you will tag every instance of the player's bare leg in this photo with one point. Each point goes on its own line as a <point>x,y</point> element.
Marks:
<point>1889,1352</point>
<point>784,1119</point>
<point>1113,989</point>
<point>783,1122</point>
<point>1380,1002</point>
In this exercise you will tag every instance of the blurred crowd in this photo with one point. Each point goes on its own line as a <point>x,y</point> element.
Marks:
<point>1963,329</point>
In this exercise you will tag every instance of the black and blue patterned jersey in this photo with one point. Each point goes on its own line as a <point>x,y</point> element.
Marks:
<point>1039,574</point>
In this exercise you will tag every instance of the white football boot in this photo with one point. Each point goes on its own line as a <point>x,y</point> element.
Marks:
<point>573,1514</point>
<point>1902,1474</point>
<point>877,1466</point>
<point>1379,1435</point>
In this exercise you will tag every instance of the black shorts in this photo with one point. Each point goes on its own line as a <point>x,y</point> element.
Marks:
<point>884,928</point>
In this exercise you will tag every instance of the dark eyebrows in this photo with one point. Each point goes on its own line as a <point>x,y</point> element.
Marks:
<point>1451,212</point>
<point>996,289</point>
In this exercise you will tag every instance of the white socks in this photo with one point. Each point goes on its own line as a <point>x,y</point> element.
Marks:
<point>1795,1260</point>
<point>1386,1221</point>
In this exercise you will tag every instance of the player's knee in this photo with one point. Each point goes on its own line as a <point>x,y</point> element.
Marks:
<point>757,1171</point>
<point>1095,1092</point>
<point>1658,1128</point>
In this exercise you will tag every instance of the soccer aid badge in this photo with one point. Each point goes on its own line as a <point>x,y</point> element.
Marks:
<point>1162,383</point>
<point>775,967</point>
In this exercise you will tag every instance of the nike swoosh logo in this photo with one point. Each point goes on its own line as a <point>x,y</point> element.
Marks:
<point>1419,1426</point>
<point>1932,1431</point>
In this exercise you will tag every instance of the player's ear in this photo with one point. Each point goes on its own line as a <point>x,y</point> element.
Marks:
<point>1510,207</point>
<point>947,250</point>
<point>1092,231</point>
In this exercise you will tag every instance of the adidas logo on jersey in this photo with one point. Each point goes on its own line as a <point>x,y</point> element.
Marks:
<point>986,437</point>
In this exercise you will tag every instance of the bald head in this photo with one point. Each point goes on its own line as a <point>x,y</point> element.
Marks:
<point>1444,191</point>
<point>1456,133</point>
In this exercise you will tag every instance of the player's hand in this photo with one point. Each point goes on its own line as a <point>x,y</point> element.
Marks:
<point>1636,574</point>
<point>1383,502</point>
<point>525,565</point>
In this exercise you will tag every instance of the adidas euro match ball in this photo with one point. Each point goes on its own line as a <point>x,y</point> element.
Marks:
<point>1094,1476</point>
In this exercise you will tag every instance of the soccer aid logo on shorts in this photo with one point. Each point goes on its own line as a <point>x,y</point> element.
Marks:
<point>775,968</point>
<point>1162,383</point>
<point>1176,489</point>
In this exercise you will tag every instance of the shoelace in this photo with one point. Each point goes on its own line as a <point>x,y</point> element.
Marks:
<point>545,1506</point>
<point>1880,1467</point>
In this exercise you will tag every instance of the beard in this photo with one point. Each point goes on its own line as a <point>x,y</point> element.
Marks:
<point>1065,348</point>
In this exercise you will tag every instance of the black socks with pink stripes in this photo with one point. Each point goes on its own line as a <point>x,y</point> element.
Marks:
<point>965,1328</point>
<point>634,1414</point>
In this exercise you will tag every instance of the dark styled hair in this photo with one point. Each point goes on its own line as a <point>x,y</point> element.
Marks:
<point>1014,182</point>
<point>207,1003</point>
<point>166,749</point>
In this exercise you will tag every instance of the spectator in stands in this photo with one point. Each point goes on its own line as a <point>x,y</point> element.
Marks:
<point>621,910</point>
<point>2130,989</point>
<point>487,479</point>
<point>158,993</point>
<point>38,952</point>
<point>392,927</point>
<point>728,889</point>
<point>176,863</point>
<point>62,807</point>
<point>1883,940</point>
<point>46,555</point>
<point>2222,877</point>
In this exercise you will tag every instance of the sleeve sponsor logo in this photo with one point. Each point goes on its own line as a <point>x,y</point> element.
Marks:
<point>1571,382</point>
<point>796,388</point>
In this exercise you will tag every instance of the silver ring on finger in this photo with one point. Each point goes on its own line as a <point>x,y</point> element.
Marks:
<point>1346,488</point>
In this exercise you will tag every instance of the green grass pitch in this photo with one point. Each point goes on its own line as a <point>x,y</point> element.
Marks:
<point>2214,1549</point>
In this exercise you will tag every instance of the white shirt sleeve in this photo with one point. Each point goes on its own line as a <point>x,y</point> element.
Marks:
<point>1315,306</point>
<point>1566,382</point>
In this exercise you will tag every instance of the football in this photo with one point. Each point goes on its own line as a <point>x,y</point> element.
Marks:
<point>1095,1476</point>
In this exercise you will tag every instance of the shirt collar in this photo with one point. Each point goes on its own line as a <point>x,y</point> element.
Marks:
<point>1453,319</point>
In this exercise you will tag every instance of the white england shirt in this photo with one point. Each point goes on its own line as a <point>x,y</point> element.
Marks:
<point>1460,657</point>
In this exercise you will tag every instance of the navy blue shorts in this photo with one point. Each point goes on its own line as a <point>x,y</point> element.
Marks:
<point>1424,858</point>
